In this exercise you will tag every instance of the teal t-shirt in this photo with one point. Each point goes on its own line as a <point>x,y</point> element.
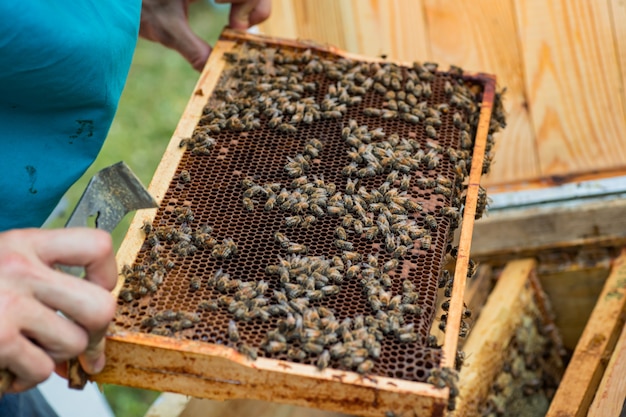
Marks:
<point>63,65</point>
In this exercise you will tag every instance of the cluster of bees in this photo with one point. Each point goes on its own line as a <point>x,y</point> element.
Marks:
<point>267,87</point>
<point>166,322</point>
<point>531,368</point>
<point>446,377</point>
<point>183,240</point>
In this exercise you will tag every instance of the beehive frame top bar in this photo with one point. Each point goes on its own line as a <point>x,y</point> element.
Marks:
<point>167,171</point>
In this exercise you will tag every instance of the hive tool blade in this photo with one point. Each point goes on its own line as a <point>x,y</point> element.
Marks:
<point>111,194</point>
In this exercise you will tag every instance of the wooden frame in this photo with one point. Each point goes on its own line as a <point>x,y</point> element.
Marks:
<point>585,370</point>
<point>515,290</point>
<point>219,372</point>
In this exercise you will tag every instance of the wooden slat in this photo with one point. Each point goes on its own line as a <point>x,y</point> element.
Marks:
<point>394,28</point>
<point>572,81</point>
<point>486,344</point>
<point>587,365</point>
<point>611,395</point>
<point>282,21</point>
<point>455,313</point>
<point>219,372</point>
<point>618,13</point>
<point>482,36</point>
<point>534,230</point>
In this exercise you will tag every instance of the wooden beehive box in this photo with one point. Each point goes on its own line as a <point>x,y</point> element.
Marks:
<point>563,63</point>
<point>198,183</point>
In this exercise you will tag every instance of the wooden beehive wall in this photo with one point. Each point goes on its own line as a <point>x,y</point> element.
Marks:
<point>563,62</point>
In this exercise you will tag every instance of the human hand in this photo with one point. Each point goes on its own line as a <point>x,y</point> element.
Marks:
<point>166,22</point>
<point>33,337</point>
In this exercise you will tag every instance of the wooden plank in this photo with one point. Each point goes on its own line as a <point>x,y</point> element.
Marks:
<point>219,372</point>
<point>572,81</point>
<point>587,365</point>
<point>482,36</point>
<point>618,13</point>
<point>393,28</point>
<point>484,349</point>
<point>455,313</point>
<point>611,395</point>
<point>282,22</point>
<point>530,231</point>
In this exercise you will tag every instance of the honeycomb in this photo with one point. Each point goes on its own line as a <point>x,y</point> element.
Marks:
<point>245,249</point>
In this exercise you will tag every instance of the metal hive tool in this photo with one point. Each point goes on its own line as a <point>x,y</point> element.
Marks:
<point>205,194</point>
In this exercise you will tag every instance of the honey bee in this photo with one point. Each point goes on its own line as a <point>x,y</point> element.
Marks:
<point>293,221</point>
<point>457,120</point>
<point>447,88</point>
<point>390,265</point>
<point>208,305</point>
<point>440,189</point>
<point>160,332</point>
<point>426,241</point>
<point>431,221</point>
<point>388,114</point>
<point>400,252</point>
<point>281,239</point>
<point>372,111</point>
<point>248,204</point>
<point>426,90</point>
<point>328,290</point>
<point>430,132</point>
<point>233,333</point>
<point>185,215</point>
<point>150,285</point>
<point>296,354</point>
<point>248,350</point>
<point>426,182</point>
<point>149,322</point>
<point>127,295</point>
<point>184,176</point>
<point>472,268</point>
<point>308,220</point>
<point>286,127</point>
<point>352,271</point>
<point>147,228</point>
<point>297,248</point>
<point>371,232</point>
<point>344,245</point>
<point>466,140</point>
<point>408,337</point>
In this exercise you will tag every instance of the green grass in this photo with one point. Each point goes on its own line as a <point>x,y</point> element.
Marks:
<point>158,88</point>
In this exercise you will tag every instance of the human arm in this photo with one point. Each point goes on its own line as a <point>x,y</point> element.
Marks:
<point>34,339</point>
<point>166,22</point>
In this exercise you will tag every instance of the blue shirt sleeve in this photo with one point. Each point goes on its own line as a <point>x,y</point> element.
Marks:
<point>63,66</point>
